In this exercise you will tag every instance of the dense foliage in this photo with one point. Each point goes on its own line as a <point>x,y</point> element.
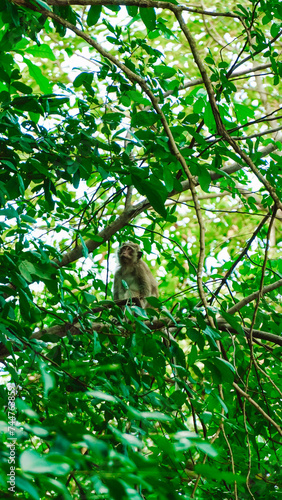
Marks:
<point>158,123</point>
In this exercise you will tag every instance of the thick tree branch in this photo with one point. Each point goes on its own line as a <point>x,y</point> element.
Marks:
<point>257,334</point>
<point>253,296</point>
<point>133,211</point>
<point>62,330</point>
<point>134,78</point>
<point>105,234</point>
<point>140,3</point>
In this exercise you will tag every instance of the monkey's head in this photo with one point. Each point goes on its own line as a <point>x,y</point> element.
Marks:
<point>129,253</point>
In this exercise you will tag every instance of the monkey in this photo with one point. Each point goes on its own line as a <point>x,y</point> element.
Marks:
<point>135,272</point>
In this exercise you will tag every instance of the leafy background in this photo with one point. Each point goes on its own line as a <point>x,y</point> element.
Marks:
<point>160,124</point>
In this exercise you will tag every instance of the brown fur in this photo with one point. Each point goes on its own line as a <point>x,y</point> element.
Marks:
<point>141,283</point>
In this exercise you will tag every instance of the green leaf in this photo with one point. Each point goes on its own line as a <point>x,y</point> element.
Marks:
<point>178,398</point>
<point>23,407</point>
<point>167,313</point>
<point>41,80</point>
<point>148,17</point>
<point>4,77</point>
<point>132,10</point>
<point>209,60</point>
<point>36,430</point>
<point>207,448</point>
<point>115,118</point>
<point>26,268</point>
<point>233,322</point>
<point>48,378</point>
<point>209,119</point>
<point>154,302</point>
<point>28,103</point>
<point>9,212</point>
<point>82,78</point>
<point>27,218</point>
<point>113,8</point>
<point>127,439</point>
<point>214,372</point>
<point>25,305</point>
<point>44,5</point>
<point>138,312</point>
<point>9,164</point>
<point>164,71</point>
<point>58,486</point>
<point>47,192</point>
<point>41,51</point>
<point>93,14</point>
<point>76,179</point>
<point>208,471</point>
<point>26,486</point>
<point>243,112</point>
<point>204,178</point>
<point>156,415</point>
<point>84,247</point>
<point>124,285</point>
<point>98,447</point>
<point>56,102</point>
<point>202,173</point>
<point>223,64</point>
<point>154,191</point>
<point>168,179</point>
<point>89,297</point>
<point>31,461</point>
<point>212,334</point>
<point>45,273</point>
<point>21,87</point>
<point>102,396</point>
<point>199,138</point>
<point>144,119</point>
<point>138,97</point>
<point>227,370</point>
<point>274,29</point>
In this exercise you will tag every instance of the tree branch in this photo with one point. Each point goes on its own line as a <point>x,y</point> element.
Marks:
<point>133,211</point>
<point>64,329</point>
<point>253,296</point>
<point>198,81</point>
<point>140,3</point>
<point>219,124</point>
<point>239,258</point>
<point>257,334</point>
<point>259,134</point>
<point>137,209</point>
<point>134,78</point>
<point>256,405</point>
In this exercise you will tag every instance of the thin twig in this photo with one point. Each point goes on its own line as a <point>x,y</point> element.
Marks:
<point>256,405</point>
<point>239,258</point>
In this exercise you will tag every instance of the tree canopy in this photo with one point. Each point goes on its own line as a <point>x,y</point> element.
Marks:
<point>159,123</point>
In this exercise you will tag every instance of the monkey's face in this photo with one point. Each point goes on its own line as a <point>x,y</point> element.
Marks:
<point>127,255</point>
